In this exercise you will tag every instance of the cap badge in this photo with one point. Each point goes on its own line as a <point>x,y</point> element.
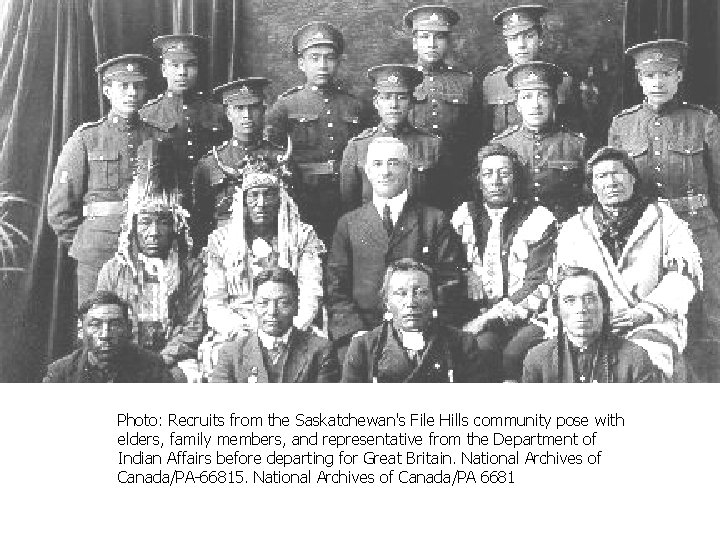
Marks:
<point>393,79</point>
<point>130,67</point>
<point>514,18</point>
<point>319,35</point>
<point>244,90</point>
<point>658,56</point>
<point>434,17</point>
<point>532,76</point>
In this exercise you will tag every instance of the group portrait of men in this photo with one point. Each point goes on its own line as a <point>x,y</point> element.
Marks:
<point>451,230</point>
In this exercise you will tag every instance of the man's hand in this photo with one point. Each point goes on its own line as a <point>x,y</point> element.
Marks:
<point>477,325</point>
<point>475,289</point>
<point>627,319</point>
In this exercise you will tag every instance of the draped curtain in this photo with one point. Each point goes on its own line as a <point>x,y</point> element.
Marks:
<point>48,87</point>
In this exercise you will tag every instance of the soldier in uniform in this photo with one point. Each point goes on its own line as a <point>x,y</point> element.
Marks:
<point>552,156</point>
<point>522,29</point>
<point>219,172</point>
<point>95,169</point>
<point>184,115</point>
<point>320,118</point>
<point>394,84</point>
<point>447,101</point>
<point>676,147</point>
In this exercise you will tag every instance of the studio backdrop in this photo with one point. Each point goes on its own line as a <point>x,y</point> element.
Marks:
<point>48,87</point>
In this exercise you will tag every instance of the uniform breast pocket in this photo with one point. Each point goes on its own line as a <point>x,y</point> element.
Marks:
<point>104,170</point>
<point>418,112</point>
<point>422,170</point>
<point>564,178</point>
<point>352,124</point>
<point>304,129</point>
<point>503,110</point>
<point>454,106</point>
<point>685,162</point>
<point>639,154</point>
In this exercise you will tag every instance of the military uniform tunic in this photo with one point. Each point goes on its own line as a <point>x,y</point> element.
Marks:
<point>499,103</point>
<point>554,162</point>
<point>448,104</point>
<point>194,124</point>
<point>214,188</point>
<point>425,153</point>
<point>320,122</point>
<point>677,148</point>
<point>91,179</point>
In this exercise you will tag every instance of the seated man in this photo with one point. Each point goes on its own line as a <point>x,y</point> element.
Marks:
<point>218,174</point>
<point>265,230</point>
<point>154,273</point>
<point>277,352</point>
<point>391,226</point>
<point>643,253</point>
<point>430,181</point>
<point>107,353</point>
<point>509,242</point>
<point>585,349</point>
<point>410,346</point>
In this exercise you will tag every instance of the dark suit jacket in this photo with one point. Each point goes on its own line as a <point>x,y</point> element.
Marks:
<point>307,358</point>
<point>361,251</point>
<point>628,363</point>
<point>136,366</point>
<point>447,348</point>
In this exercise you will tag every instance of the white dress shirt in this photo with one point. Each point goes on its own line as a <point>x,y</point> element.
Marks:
<point>396,204</point>
<point>272,342</point>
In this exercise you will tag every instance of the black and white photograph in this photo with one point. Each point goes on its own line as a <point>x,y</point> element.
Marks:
<point>270,191</point>
<point>367,191</point>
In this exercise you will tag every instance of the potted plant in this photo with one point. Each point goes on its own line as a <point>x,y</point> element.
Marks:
<point>11,269</point>
<point>10,236</point>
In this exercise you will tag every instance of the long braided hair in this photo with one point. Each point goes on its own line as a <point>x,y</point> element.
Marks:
<point>604,354</point>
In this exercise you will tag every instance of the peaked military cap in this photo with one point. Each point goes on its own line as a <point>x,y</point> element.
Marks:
<point>520,18</point>
<point>179,46</point>
<point>535,75</point>
<point>395,77</point>
<point>437,18</point>
<point>662,53</point>
<point>243,91</point>
<point>317,33</point>
<point>126,68</point>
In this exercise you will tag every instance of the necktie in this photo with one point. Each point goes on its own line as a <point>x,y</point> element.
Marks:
<point>492,261</point>
<point>276,350</point>
<point>387,220</point>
